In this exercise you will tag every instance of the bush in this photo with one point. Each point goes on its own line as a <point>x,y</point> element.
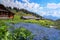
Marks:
<point>17,34</point>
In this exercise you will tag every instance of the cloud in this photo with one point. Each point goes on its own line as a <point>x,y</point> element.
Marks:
<point>51,12</point>
<point>53,5</point>
<point>51,9</point>
<point>56,14</point>
<point>8,3</point>
<point>26,5</point>
<point>27,1</point>
<point>31,6</point>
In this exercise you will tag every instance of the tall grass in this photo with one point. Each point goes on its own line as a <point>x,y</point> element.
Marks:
<point>16,34</point>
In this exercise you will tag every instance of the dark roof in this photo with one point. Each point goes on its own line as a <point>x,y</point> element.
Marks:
<point>3,8</point>
<point>30,17</point>
<point>1,5</point>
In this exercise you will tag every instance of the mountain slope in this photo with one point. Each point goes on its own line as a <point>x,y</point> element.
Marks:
<point>23,12</point>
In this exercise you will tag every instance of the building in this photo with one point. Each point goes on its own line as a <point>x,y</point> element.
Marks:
<point>5,13</point>
<point>30,17</point>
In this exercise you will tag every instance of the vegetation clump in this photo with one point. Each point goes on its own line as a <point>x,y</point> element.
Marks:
<point>16,34</point>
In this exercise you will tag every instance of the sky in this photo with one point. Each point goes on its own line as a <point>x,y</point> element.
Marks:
<point>46,8</point>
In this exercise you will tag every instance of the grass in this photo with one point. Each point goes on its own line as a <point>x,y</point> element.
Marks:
<point>40,22</point>
<point>17,19</point>
<point>46,23</point>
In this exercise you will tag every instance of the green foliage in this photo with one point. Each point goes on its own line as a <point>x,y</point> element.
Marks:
<point>3,31</point>
<point>46,23</point>
<point>57,23</point>
<point>21,34</point>
<point>16,34</point>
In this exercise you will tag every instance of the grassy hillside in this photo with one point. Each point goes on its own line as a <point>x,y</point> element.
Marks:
<point>23,12</point>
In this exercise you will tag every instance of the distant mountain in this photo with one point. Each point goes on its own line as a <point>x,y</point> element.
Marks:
<point>51,17</point>
<point>58,20</point>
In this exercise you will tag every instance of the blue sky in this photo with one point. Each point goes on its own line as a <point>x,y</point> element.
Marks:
<point>44,2</point>
<point>45,8</point>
